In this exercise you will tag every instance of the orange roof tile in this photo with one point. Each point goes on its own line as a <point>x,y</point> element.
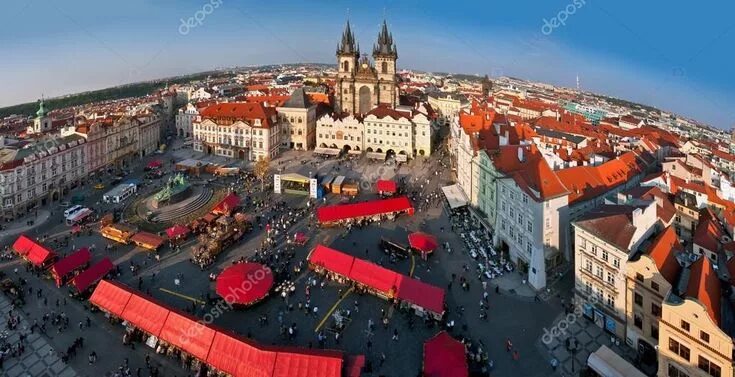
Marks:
<point>709,232</point>
<point>587,182</point>
<point>663,252</point>
<point>246,111</point>
<point>532,174</point>
<point>704,286</point>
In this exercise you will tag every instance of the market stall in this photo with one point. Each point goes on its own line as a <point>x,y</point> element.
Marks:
<point>177,232</point>
<point>244,283</point>
<point>148,241</point>
<point>92,275</point>
<point>72,262</point>
<point>228,205</point>
<point>444,356</point>
<point>386,187</point>
<point>171,332</point>
<point>33,252</point>
<point>375,210</point>
<point>369,277</point>
<point>118,233</point>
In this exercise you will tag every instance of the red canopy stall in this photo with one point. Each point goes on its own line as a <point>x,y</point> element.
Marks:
<point>369,209</point>
<point>70,263</point>
<point>227,205</point>
<point>221,350</point>
<point>386,187</point>
<point>423,242</point>
<point>145,314</point>
<point>444,357</point>
<point>386,283</point>
<point>110,296</point>
<point>147,240</point>
<point>155,164</point>
<point>244,283</point>
<point>32,251</point>
<point>177,231</point>
<point>92,275</point>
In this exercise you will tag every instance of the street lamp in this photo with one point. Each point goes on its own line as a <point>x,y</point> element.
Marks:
<point>572,346</point>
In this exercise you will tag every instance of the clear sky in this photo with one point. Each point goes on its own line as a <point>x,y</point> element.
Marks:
<point>672,54</point>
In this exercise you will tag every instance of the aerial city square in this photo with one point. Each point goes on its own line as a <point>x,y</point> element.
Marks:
<point>235,188</point>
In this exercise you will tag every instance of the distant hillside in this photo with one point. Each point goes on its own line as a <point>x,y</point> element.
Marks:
<point>118,92</point>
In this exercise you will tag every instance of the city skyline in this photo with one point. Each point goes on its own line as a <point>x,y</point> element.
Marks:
<point>628,55</point>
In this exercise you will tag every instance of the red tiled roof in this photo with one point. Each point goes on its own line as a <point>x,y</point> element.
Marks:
<point>365,209</point>
<point>532,174</point>
<point>663,252</point>
<point>246,111</point>
<point>709,232</point>
<point>704,286</point>
<point>587,182</point>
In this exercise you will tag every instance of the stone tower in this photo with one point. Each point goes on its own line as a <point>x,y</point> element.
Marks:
<point>362,84</point>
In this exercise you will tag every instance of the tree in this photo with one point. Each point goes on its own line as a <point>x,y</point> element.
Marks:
<point>260,170</point>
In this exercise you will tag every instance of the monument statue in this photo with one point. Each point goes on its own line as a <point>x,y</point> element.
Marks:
<point>173,191</point>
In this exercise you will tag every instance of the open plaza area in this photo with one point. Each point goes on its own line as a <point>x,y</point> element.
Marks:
<point>302,308</point>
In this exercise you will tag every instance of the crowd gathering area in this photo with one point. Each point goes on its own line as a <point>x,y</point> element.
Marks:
<point>285,259</point>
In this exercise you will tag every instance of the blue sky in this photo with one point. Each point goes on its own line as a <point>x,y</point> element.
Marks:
<point>675,55</point>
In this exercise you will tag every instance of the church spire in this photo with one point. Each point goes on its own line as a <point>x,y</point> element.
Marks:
<point>348,46</point>
<point>385,45</point>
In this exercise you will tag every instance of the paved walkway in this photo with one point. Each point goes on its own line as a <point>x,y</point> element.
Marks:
<point>39,359</point>
<point>590,338</point>
<point>19,226</point>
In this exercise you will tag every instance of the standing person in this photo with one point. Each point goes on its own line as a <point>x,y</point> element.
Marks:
<point>554,363</point>
<point>508,345</point>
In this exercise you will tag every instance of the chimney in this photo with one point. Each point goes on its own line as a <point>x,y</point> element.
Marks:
<point>520,154</point>
<point>637,214</point>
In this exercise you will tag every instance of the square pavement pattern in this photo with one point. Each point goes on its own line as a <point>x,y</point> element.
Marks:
<point>37,360</point>
<point>590,338</point>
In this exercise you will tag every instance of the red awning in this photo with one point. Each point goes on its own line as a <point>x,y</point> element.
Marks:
<point>32,250</point>
<point>386,186</point>
<point>354,366</point>
<point>244,283</point>
<point>308,364</point>
<point>177,231</point>
<point>365,209</point>
<point>422,242</point>
<point>154,164</point>
<point>111,297</point>
<point>188,334</point>
<point>223,351</point>
<point>23,244</point>
<point>145,314</point>
<point>71,262</point>
<point>91,275</point>
<point>240,358</point>
<point>229,203</point>
<point>333,260</point>
<point>374,276</point>
<point>147,240</point>
<point>421,294</point>
<point>444,357</point>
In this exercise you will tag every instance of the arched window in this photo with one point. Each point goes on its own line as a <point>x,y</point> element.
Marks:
<point>384,67</point>
<point>346,66</point>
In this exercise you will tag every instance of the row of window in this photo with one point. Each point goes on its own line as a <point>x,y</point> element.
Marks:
<point>654,285</point>
<point>599,294</point>
<point>703,363</point>
<point>596,250</point>
<point>349,137</point>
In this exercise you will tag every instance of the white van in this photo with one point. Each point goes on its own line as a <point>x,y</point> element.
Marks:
<point>72,210</point>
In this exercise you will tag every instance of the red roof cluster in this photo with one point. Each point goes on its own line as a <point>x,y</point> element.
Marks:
<point>587,182</point>
<point>663,252</point>
<point>526,165</point>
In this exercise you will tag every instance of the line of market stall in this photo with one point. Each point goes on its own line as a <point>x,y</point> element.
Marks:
<point>363,212</point>
<point>74,269</point>
<point>204,347</point>
<point>390,285</point>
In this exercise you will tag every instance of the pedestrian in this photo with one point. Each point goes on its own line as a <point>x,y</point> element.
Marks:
<point>382,358</point>
<point>554,363</point>
<point>316,310</point>
<point>516,355</point>
<point>395,334</point>
<point>508,345</point>
<point>89,322</point>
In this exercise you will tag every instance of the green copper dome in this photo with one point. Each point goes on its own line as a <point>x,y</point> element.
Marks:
<point>41,109</point>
